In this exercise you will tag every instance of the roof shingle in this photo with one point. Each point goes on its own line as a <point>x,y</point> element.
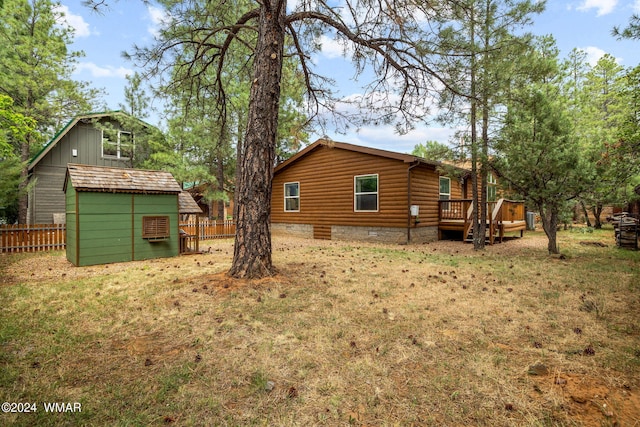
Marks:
<point>119,180</point>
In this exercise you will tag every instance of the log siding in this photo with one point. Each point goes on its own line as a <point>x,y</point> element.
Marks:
<point>327,190</point>
<point>326,174</point>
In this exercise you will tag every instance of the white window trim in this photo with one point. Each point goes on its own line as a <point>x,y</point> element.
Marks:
<point>447,206</point>
<point>118,154</point>
<point>291,197</point>
<point>439,188</point>
<point>356,194</point>
<point>492,185</point>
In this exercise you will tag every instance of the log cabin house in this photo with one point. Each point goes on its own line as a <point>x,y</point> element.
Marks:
<point>335,190</point>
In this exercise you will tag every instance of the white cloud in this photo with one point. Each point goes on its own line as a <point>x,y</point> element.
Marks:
<point>636,6</point>
<point>108,71</point>
<point>77,22</point>
<point>159,18</point>
<point>604,7</point>
<point>594,54</point>
<point>332,48</point>
<point>386,137</point>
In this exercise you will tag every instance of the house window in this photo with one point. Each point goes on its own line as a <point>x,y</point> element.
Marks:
<point>445,191</point>
<point>366,193</point>
<point>492,188</point>
<point>117,145</point>
<point>292,197</point>
<point>155,227</point>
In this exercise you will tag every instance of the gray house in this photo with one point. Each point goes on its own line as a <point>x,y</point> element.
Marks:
<point>97,139</point>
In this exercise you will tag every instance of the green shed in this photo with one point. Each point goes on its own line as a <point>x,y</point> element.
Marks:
<point>116,215</point>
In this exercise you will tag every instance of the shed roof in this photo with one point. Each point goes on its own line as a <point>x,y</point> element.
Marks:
<point>119,180</point>
<point>406,158</point>
<point>187,204</point>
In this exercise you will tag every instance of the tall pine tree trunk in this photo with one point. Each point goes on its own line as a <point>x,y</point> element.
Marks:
<point>252,249</point>
<point>23,201</point>
<point>220,183</point>
<point>478,229</point>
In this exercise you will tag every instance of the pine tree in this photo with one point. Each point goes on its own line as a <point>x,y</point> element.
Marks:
<point>35,71</point>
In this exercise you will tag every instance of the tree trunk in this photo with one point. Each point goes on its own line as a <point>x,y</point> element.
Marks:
<point>23,201</point>
<point>597,212</point>
<point>252,249</point>
<point>586,214</point>
<point>220,183</point>
<point>549,218</point>
<point>478,232</point>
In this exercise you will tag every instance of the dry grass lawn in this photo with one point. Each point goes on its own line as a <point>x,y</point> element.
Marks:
<point>345,334</point>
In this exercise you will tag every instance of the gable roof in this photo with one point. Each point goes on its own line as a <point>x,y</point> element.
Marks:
<point>406,158</point>
<point>62,132</point>
<point>119,180</point>
<point>186,204</point>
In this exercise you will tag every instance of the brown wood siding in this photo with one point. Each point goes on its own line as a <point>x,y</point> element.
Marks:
<point>425,192</point>
<point>326,178</point>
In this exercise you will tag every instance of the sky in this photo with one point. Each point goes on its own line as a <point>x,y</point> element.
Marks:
<point>582,24</point>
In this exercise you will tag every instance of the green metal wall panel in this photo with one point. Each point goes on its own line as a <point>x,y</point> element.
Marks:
<point>105,228</point>
<point>70,210</point>
<point>155,204</point>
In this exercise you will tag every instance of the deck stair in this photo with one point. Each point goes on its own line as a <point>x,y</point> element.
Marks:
<point>503,216</point>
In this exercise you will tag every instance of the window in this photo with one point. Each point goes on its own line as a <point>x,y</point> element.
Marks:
<point>366,193</point>
<point>155,227</point>
<point>118,145</point>
<point>445,191</point>
<point>492,188</point>
<point>292,197</point>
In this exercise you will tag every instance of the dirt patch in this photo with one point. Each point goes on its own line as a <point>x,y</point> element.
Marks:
<point>587,400</point>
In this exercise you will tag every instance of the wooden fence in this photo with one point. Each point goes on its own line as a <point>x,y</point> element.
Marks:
<point>48,237</point>
<point>210,228</point>
<point>32,238</point>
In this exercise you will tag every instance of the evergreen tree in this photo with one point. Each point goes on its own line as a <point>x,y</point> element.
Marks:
<point>599,119</point>
<point>433,150</point>
<point>35,71</point>
<point>13,127</point>
<point>480,37</point>
<point>538,155</point>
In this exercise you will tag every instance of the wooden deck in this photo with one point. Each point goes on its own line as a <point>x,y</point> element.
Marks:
<point>503,216</point>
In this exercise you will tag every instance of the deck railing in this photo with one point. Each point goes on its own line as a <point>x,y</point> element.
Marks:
<point>457,214</point>
<point>461,209</point>
<point>453,209</point>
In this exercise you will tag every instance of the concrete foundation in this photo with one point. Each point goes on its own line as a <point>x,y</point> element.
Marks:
<point>367,234</point>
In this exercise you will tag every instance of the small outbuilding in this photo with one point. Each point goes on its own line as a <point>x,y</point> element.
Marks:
<point>116,215</point>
